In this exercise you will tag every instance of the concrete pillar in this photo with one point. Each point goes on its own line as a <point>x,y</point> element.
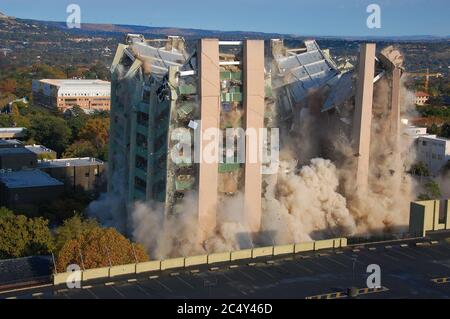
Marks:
<point>363,114</point>
<point>209,95</point>
<point>254,119</point>
<point>395,102</point>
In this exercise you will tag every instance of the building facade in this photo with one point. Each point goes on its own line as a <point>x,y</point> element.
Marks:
<point>90,95</point>
<point>434,152</point>
<point>84,173</point>
<point>422,98</point>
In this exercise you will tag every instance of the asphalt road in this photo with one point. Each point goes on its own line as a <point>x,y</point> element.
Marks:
<point>407,271</point>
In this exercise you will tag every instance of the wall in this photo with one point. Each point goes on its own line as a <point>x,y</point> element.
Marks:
<point>424,216</point>
<point>182,262</point>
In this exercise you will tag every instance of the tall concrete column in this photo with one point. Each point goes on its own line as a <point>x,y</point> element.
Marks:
<point>395,102</point>
<point>209,95</point>
<point>363,114</point>
<point>254,120</point>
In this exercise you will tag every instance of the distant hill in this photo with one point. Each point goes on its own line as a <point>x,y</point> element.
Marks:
<point>115,29</point>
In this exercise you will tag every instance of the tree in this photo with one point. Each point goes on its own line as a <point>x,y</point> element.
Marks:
<point>445,130</point>
<point>96,131</point>
<point>419,169</point>
<point>432,191</point>
<point>99,247</point>
<point>5,212</point>
<point>433,129</point>
<point>80,149</point>
<point>73,228</point>
<point>8,86</point>
<point>50,131</point>
<point>21,236</point>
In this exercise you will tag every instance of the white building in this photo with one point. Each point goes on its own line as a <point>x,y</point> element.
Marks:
<point>433,151</point>
<point>63,94</point>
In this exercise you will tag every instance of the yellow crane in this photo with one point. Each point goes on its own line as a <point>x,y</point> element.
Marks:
<point>427,76</point>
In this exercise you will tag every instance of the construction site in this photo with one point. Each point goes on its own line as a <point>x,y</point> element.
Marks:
<point>340,155</point>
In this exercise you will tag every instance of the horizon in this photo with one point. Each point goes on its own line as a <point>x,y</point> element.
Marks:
<point>348,21</point>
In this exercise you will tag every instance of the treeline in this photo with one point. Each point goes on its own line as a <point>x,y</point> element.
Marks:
<point>78,241</point>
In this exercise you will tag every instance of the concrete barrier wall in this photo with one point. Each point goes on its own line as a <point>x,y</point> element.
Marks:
<point>61,278</point>
<point>262,251</point>
<point>219,257</point>
<point>306,246</point>
<point>122,270</point>
<point>283,249</point>
<point>147,266</point>
<point>241,254</point>
<point>95,273</point>
<point>156,265</point>
<point>172,263</point>
<point>196,260</point>
<point>323,244</point>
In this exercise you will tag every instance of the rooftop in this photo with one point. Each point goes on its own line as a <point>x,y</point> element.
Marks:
<point>64,162</point>
<point>11,129</point>
<point>420,94</point>
<point>27,178</point>
<point>14,150</point>
<point>10,143</point>
<point>74,82</point>
<point>38,149</point>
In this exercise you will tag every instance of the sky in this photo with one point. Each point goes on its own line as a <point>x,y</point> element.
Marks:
<point>300,17</point>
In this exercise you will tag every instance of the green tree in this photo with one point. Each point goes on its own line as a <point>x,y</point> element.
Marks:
<point>51,131</point>
<point>445,130</point>
<point>73,228</point>
<point>432,191</point>
<point>80,149</point>
<point>21,236</point>
<point>419,169</point>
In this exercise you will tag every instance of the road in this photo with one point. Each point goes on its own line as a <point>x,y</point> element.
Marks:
<point>407,268</point>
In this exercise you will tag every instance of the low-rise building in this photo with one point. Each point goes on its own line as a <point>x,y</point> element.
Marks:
<point>85,173</point>
<point>22,190</point>
<point>41,151</point>
<point>11,132</point>
<point>434,152</point>
<point>16,158</point>
<point>422,98</point>
<point>64,94</point>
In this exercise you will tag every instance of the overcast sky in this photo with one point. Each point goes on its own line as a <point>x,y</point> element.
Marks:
<point>302,17</point>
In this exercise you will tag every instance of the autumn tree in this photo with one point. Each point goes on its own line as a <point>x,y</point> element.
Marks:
<point>80,149</point>
<point>99,247</point>
<point>21,236</point>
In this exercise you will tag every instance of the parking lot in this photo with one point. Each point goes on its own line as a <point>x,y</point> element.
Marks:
<point>408,270</point>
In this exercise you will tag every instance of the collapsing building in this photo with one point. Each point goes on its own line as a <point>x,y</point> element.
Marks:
<point>162,93</point>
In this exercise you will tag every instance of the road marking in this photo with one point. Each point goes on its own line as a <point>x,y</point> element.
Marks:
<point>434,242</point>
<point>26,288</point>
<point>86,287</point>
<point>372,248</point>
<point>184,281</point>
<point>251,264</point>
<point>270,262</point>
<point>62,290</point>
<point>443,280</point>
<point>132,280</point>
<point>404,245</point>
<point>388,247</point>
<point>338,295</point>
<point>12,297</point>
<point>109,283</point>
<point>214,268</point>
<point>356,250</point>
<point>37,294</point>
<point>174,273</point>
<point>233,266</point>
<point>165,287</point>
<point>265,272</point>
<point>116,290</point>
<point>153,277</point>
<point>337,262</point>
<point>194,271</point>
